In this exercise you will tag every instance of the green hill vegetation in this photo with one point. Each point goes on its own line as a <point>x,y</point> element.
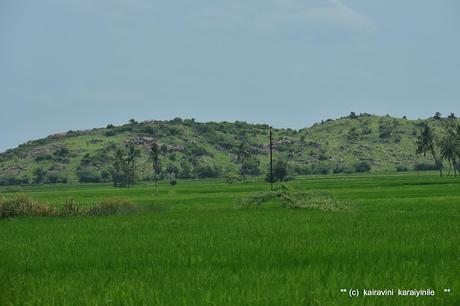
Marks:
<point>190,149</point>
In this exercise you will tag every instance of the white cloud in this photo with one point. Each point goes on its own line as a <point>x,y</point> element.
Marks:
<point>276,13</point>
<point>336,12</point>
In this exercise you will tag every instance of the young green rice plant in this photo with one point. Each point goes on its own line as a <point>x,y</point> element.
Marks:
<point>24,206</point>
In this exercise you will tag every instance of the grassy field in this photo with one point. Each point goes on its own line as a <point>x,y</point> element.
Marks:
<point>201,248</point>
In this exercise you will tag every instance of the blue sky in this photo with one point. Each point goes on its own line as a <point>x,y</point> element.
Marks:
<point>79,64</point>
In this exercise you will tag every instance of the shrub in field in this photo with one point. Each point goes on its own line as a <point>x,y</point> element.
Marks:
<point>425,167</point>
<point>88,176</point>
<point>290,198</point>
<point>112,206</point>
<point>401,168</point>
<point>72,208</point>
<point>232,177</point>
<point>362,166</point>
<point>12,180</point>
<point>23,206</point>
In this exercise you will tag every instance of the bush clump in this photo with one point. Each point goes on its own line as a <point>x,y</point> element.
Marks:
<point>112,206</point>
<point>290,198</point>
<point>24,206</point>
<point>73,209</point>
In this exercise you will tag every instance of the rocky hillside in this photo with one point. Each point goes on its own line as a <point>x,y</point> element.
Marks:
<point>191,149</point>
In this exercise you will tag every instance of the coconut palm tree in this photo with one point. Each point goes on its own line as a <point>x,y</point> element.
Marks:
<point>132,154</point>
<point>448,150</point>
<point>426,144</point>
<point>154,157</point>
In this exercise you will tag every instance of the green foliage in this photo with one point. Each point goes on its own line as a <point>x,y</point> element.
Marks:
<point>425,167</point>
<point>39,175</point>
<point>232,177</point>
<point>88,176</point>
<point>362,167</point>
<point>250,166</point>
<point>124,166</point>
<point>186,171</point>
<point>401,168</point>
<point>280,171</point>
<point>290,198</point>
<point>72,208</point>
<point>110,133</point>
<point>61,152</point>
<point>208,171</point>
<point>9,180</point>
<point>53,178</point>
<point>24,206</point>
<point>154,157</point>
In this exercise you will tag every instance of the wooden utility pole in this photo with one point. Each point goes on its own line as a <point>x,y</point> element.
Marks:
<point>271,160</point>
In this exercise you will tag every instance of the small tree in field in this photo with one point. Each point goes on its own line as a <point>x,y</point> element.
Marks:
<point>280,171</point>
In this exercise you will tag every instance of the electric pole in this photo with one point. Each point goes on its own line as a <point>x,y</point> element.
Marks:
<point>271,160</point>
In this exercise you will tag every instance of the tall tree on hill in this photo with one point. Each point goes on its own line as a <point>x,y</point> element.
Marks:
<point>119,168</point>
<point>132,154</point>
<point>242,152</point>
<point>124,166</point>
<point>450,146</point>
<point>425,144</point>
<point>457,148</point>
<point>155,159</point>
<point>447,149</point>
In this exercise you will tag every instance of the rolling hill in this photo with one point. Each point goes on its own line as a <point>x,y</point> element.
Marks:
<point>192,149</point>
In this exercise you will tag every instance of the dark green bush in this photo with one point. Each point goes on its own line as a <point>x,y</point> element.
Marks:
<point>110,133</point>
<point>290,198</point>
<point>43,157</point>
<point>338,169</point>
<point>10,180</point>
<point>362,167</point>
<point>280,171</point>
<point>208,171</point>
<point>88,176</point>
<point>52,178</point>
<point>425,167</point>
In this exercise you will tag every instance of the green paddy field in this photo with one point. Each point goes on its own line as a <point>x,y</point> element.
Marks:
<point>200,247</point>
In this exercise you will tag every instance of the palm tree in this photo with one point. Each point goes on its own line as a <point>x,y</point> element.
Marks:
<point>132,154</point>
<point>242,152</point>
<point>448,150</point>
<point>119,168</point>
<point>154,157</point>
<point>450,146</point>
<point>425,144</point>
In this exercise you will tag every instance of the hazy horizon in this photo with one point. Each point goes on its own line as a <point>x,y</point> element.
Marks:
<point>84,64</point>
